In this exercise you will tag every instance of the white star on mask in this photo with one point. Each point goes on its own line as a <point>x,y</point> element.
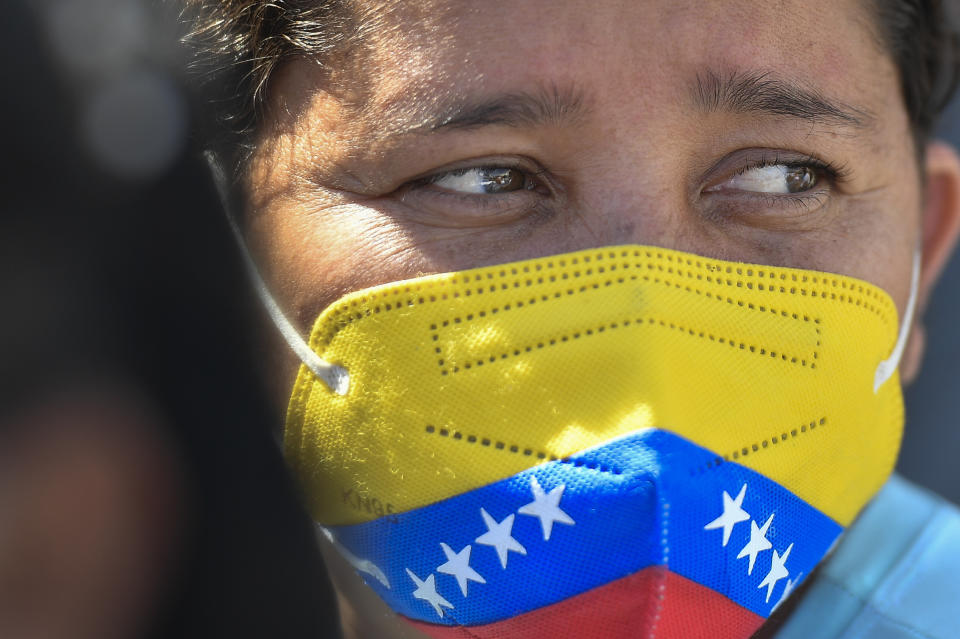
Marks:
<point>787,590</point>
<point>498,536</point>
<point>427,591</point>
<point>458,565</point>
<point>546,506</point>
<point>732,515</point>
<point>777,571</point>
<point>757,544</point>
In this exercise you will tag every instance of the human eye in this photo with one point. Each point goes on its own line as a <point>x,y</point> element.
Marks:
<point>483,180</point>
<point>777,178</point>
<point>773,187</point>
<point>479,193</point>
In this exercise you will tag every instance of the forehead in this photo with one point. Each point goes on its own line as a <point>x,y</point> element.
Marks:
<point>639,51</point>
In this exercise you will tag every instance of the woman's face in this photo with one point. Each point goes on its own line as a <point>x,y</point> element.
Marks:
<point>462,134</point>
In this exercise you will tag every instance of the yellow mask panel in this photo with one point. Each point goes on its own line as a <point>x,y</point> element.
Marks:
<point>460,380</point>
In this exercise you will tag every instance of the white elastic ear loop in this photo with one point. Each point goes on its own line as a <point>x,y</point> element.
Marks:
<point>359,564</point>
<point>336,377</point>
<point>887,367</point>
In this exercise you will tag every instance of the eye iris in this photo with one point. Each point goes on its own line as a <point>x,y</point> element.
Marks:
<point>501,180</point>
<point>799,179</point>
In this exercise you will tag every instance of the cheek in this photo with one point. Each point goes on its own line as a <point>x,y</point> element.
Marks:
<point>877,240</point>
<point>311,257</point>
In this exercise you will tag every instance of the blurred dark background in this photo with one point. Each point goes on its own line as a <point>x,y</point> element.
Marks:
<point>118,277</point>
<point>120,281</point>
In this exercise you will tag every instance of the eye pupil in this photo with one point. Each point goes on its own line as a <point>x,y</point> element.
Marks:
<point>800,179</point>
<point>501,180</point>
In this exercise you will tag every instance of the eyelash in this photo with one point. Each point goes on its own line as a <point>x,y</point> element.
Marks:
<point>833,172</point>
<point>477,201</point>
<point>505,164</point>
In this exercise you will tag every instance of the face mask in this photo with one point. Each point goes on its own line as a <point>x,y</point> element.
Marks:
<point>618,442</point>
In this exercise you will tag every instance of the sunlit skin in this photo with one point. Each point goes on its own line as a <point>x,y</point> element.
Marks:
<point>364,174</point>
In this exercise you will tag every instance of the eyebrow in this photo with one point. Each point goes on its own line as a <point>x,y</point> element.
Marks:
<point>565,104</point>
<point>549,105</point>
<point>762,93</point>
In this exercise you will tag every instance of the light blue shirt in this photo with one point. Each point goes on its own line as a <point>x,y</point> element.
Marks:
<point>895,574</point>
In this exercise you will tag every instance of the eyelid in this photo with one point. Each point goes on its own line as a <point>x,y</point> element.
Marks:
<point>438,206</point>
<point>771,211</point>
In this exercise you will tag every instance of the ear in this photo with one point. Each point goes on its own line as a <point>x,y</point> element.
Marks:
<point>940,227</point>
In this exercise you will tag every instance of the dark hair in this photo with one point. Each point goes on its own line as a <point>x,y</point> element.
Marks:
<point>238,45</point>
<point>921,37</point>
